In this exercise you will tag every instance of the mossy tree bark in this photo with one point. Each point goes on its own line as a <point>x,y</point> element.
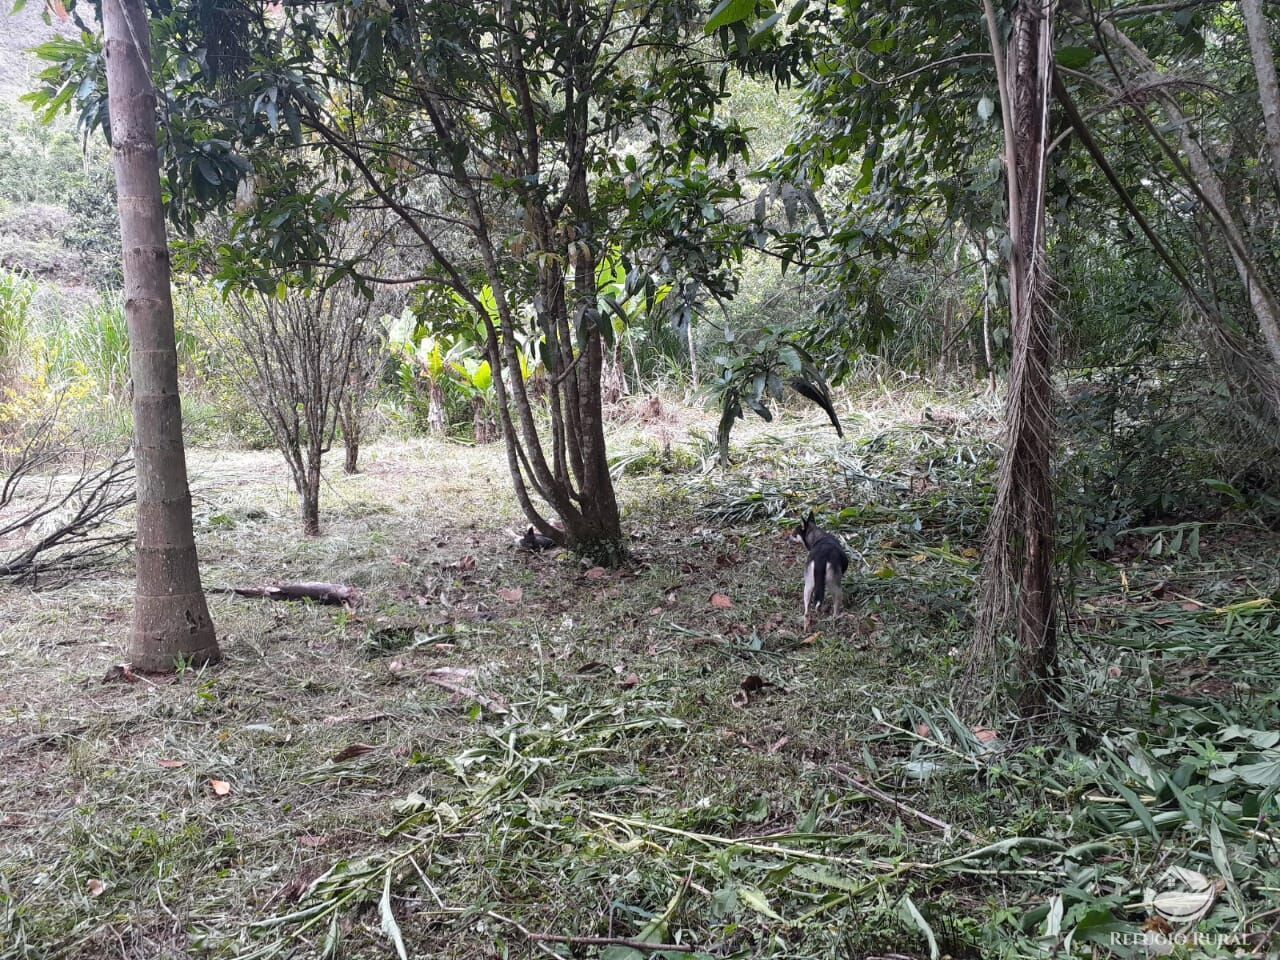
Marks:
<point>171,619</point>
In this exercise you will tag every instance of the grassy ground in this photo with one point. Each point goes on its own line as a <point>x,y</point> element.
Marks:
<point>496,749</point>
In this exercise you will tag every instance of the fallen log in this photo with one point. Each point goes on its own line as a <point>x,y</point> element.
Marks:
<point>335,594</point>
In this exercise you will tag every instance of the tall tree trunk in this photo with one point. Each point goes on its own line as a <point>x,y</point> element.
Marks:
<point>1264,67</point>
<point>171,618</point>
<point>1018,565</point>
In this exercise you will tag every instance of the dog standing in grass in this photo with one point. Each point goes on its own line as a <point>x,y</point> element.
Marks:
<point>824,570</point>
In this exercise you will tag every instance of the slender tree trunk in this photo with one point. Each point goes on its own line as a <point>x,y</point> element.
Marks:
<point>171,618</point>
<point>309,491</point>
<point>350,435</point>
<point>693,353</point>
<point>988,349</point>
<point>1264,66</point>
<point>1018,565</point>
<point>437,422</point>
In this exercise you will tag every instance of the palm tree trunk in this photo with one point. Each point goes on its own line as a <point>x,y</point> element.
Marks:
<point>1018,566</point>
<point>171,618</point>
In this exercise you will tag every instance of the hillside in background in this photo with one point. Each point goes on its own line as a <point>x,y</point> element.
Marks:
<point>57,198</point>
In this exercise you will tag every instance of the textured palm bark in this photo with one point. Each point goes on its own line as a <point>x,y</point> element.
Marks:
<point>1018,566</point>
<point>171,619</point>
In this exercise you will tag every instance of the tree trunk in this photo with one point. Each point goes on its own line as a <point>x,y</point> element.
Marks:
<point>693,353</point>
<point>1018,565</point>
<point>351,445</point>
<point>437,423</point>
<point>310,492</point>
<point>350,435</point>
<point>1264,66</point>
<point>171,618</point>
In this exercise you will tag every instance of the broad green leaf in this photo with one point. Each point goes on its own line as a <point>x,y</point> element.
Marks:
<point>729,12</point>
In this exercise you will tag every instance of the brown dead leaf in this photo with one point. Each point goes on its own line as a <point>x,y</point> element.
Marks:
<point>512,595</point>
<point>922,730</point>
<point>351,751</point>
<point>1114,672</point>
<point>629,681</point>
<point>172,764</point>
<point>1191,606</point>
<point>313,840</point>
<point>95,887</point>
<point>467,563</point>
<point>220,787</point>
<point>721,601</point>
<point>655,612</point>
<point>595,573</point>
<point>779,744</point>
<point>984,734</point>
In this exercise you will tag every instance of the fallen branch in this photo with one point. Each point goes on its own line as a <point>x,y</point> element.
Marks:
<point>334,594</point>
<point>613,942</point>
<point>441,678</point>
<point>876,794</point>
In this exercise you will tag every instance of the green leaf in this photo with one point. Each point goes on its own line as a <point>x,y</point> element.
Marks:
<point>761,33</point>
<point>1263,774</point>
<point>922,924</point>
<point>797,11</point>
<point>728,12</point>
<point>389,925</point>
<point>1073,58</point>
<point>754,898</point>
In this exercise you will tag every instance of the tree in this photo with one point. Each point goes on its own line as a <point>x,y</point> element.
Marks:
<point>1019,560</point>
<point>171,619</point>
<point>303,348</point>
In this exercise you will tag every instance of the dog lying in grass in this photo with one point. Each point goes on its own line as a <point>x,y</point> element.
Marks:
<point>824,570</point>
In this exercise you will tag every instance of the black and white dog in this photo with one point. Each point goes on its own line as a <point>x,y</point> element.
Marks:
<point>824,570</point>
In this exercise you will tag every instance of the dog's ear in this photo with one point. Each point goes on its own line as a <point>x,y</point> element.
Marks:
<point>809,521</point>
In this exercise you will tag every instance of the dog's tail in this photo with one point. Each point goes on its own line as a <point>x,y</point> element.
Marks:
<point>819,581</point>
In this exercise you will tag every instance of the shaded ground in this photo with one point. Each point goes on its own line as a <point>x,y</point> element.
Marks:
<point>603,773</point>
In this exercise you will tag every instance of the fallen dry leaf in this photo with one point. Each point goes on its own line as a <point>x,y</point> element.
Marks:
<point>467,563</point>
<point>220,787</point>
<point>779,744</point>
<point>922,730</point>
<point>313,841</point>
<point>629,681</point>
<point>1114,672</point>
<point>721,601</point>
<point>595,573</point>
<point>172,764</point>
<point>513,595</point>
<point>351,751</point>
<point>95,887</point>
<point>985,735</point>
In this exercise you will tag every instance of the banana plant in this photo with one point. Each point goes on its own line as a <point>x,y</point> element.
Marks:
<point>475,378</point>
